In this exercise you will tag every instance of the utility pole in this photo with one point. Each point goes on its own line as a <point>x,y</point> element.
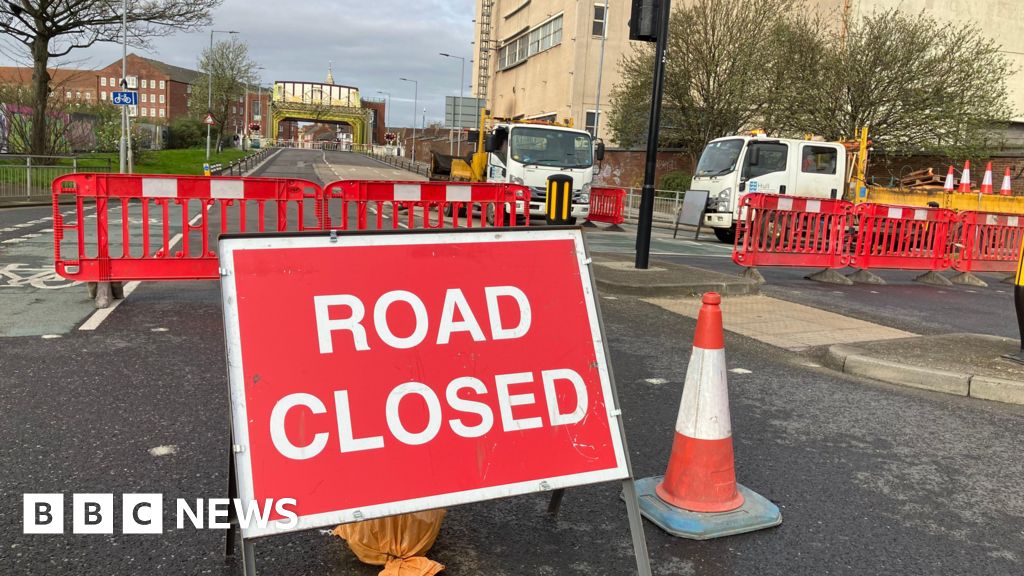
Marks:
<point>643,231</point>
<point>415,106</point>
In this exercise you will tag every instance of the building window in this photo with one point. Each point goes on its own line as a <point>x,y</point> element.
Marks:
<point>539,39</point>
<point>103,95</point>
<point>143,83</point>
<point>161,98</point>
<point>142,111</point>
<point>188,88</point>
<point>162,85</point>
<point>68,94</point>
<point>600,20</point>
<point>161,112</point>
<point>152,112</point>
<point>103,81</point>
<point>88,95</point>
<point>144,96</point>
<point>591,123</point>
<point>112,83</point>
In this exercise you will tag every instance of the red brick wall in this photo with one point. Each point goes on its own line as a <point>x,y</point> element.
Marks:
<point>625,168</point>
<point>887,170</point>
<point>144,71</point>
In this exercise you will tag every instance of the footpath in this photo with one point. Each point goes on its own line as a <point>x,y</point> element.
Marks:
<point>962,364</point>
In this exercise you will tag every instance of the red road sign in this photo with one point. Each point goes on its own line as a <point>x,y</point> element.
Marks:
<point>381,374</point>
<point>209,121</point>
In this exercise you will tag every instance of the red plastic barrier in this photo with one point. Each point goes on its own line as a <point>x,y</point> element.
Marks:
<point>437,204</point>
<point>139,221</point>
<point>903,237</point>
<point>776,230</point>
<point>987,242</point>
<point>607,205</point>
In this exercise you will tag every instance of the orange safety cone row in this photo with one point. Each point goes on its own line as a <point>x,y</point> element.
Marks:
<point>699,497</point>
<point>986,182</point>
<point>1006,189</point>
<point>950,180</point>
<point>965,178</point>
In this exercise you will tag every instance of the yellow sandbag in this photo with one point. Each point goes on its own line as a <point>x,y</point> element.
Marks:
<point>397,542</point>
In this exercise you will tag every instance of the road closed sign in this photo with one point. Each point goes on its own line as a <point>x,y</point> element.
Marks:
<point>377,374</point>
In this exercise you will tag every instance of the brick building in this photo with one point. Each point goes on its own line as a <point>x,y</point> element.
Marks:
<point>70,84</point>
<point>164,90</point>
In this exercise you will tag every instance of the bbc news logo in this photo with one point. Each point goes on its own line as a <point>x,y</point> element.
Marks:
<point>144,513</point>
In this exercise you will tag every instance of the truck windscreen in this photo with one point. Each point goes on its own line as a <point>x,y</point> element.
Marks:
<point>719,157</point>
<point>547,147</point>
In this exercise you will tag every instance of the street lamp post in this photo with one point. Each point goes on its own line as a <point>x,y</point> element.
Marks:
<point>415,105</point>
<point>209,84</point>
<point>248,120</point>
<point>458,107</point>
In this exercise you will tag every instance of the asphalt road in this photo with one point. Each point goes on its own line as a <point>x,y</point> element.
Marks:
<point>871,479</point>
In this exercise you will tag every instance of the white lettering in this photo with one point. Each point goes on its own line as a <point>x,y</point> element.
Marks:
<point>292,517</point>
<point>498,332</point>
<point>246,514</point>
<point>395,421</point>
<point>280,437</point>
<point>453,299</point>
<point>380,319</point>
<point>506,401</point>
<point>348,441</point>
<point>325,325</point>
<point>562,418</point>
<point>479,408</point>
<point>216,512</point>
<point>194,516</point>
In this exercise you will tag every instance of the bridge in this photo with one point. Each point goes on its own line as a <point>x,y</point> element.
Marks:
<point>320,102</point>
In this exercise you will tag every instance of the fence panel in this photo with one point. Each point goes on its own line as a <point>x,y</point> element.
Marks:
<point>607,205</point>
<point>902,237</point>
<point>987,242</point>
<point>776,230</point>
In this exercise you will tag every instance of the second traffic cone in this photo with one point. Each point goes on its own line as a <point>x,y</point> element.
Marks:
<point>986,182</point>
<point>965,179</point>
<point>699,497</point>
<point>1006,189</point>
<point>949,185</point>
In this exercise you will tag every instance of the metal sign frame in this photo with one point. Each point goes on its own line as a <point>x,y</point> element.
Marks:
<point>241,461</point>
<point>695,203</point>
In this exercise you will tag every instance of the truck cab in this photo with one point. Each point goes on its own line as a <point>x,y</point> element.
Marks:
<point>528,153</point>
<point>732,166</point>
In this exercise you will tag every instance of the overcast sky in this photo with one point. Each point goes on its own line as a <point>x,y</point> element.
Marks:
<point>372,44</point>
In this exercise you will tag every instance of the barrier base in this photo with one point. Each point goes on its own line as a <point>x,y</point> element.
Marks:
<point>754,276</point>
<point>1018,357</point>
<point>830,276</point>
<point>756,513</point>
<point>933,278</point>
<point>866,277</point>
<point>588,224</point>
<point>1009,280</point>
<point>968,279</point>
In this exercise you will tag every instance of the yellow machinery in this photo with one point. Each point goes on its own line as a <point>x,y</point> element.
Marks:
<point>859,191</point>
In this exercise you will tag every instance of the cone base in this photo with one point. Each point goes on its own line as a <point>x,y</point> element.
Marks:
<point>756,513</point>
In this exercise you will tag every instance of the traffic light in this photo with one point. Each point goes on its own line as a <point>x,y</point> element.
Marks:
<point>644,20</point>
<point>255,127</point>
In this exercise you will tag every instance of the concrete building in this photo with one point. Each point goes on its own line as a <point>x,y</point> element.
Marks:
<point>543,57</point>
<point>540,57</point>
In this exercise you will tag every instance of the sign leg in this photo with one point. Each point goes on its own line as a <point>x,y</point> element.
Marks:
<point>636,528</point>
<point>229,534</point>
<point>248,558</point>
<point>556,501</point>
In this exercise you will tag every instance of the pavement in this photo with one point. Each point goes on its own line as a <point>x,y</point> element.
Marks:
<point>871,478</point>
<point>617,274</point>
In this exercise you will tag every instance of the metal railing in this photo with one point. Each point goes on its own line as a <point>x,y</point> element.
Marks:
<point>25,178</point>
<point>667,204</point>
<point>400,162</point>
<point>242,165</point>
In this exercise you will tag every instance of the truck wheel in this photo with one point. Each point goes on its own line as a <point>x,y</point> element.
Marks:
<point>725,235</point>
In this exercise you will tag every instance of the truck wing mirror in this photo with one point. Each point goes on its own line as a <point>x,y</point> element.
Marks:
<point>599,150</point>
<point>491,142</point>
<point>754,156</point>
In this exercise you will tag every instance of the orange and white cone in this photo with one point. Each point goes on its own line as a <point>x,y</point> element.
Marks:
<point>1006,189</point>
<point>986,182</point>
<point>699,490</point>
<point>965,179</point>
<point>950,180</point>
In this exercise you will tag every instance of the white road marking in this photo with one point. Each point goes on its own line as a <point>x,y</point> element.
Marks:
<point>12,241</point>
<point>7,229</point>
<point>167,450</point>
<point>656,381</point>
<point>50,336</point>
<point>22,225</point>
<point>100,315</point>
<point>31,235</point>
<point>811,364</point>
<point>158,329</point>
<point>740,371</point>
<point>610,298</point>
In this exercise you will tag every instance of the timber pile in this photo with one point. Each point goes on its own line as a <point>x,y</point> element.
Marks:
<point>921,178</point>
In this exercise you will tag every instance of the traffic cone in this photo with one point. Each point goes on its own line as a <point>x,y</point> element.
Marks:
<point>965,178</point>
<point>986,182</point>
<point>1006,189</point>
<point>950,179</point>
<point>698,497</point>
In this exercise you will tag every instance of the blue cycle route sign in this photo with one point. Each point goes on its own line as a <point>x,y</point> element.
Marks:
<point>124,98</point>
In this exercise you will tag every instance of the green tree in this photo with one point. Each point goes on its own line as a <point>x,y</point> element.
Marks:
<point>54,28</point>
<point>231,72</point>
<point>186,133</point>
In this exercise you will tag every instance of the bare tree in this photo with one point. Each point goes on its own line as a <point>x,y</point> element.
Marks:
<point>918,84</point>
<point>232,73</point>
<point>54,28</point>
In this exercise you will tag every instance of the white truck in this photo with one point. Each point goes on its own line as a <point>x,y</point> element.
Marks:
<point>735,165</point>
<point>527,153</point>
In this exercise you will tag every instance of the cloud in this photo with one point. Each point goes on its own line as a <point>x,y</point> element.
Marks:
<point>371,44</point>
